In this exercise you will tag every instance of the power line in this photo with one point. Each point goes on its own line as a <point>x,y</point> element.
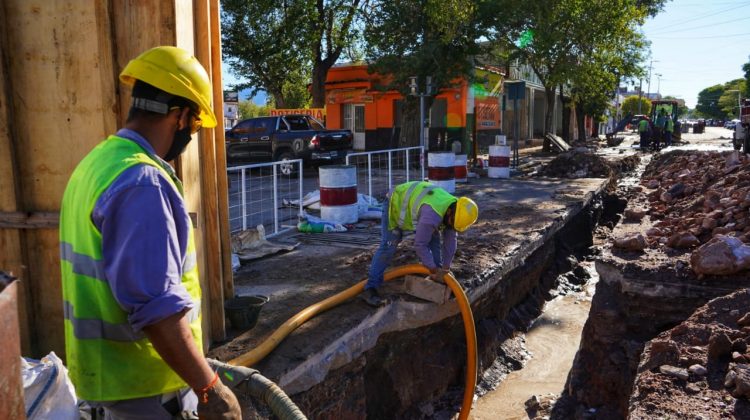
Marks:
<point>692,28</point>
<point>702,37</point>
<point>703,16</point>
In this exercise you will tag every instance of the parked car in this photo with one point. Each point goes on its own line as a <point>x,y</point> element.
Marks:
<point>731,124</point>
<point>284,138</point>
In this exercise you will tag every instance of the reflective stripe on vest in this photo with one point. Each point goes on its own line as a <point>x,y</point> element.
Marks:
<point>107,359</point>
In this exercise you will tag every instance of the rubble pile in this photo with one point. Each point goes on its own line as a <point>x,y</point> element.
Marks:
<point>701,366</point>
<point>578,163</point>
<point>696,196</point>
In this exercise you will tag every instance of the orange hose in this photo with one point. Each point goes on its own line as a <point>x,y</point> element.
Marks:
<point>257,354</point>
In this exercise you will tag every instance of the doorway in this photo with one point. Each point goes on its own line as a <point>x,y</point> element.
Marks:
<point>354,120</point>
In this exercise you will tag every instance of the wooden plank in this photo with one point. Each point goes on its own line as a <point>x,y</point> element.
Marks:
<point>221,158</point>
<point>11,240</point>
<point>51,76</point>
<point>38,220</point>
<point>211,236</point>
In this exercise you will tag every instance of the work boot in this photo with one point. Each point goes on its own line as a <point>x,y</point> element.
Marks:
<point>372,298</point>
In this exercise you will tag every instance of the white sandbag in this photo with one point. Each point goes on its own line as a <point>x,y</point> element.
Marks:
<point>48,392</point>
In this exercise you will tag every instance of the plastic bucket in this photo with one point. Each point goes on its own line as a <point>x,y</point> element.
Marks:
<point>243,311</point>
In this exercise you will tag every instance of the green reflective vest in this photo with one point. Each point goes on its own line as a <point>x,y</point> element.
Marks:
<point>669,125</point>
<point>107,359</point>
<point>643,126</point>
<point>409,197</point>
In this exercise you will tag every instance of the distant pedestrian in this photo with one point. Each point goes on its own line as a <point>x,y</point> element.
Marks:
<point>435,215</point>
<point>643,130</point>
<point>668,131</point>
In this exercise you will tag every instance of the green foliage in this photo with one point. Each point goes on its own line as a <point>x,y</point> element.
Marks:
<point>272,45</point>
<point>682,110</point>
<point>249,109</point>
<point>422,38</point>
<point>746,69</point>
<point>720,101</point>
<point>630,105</point>
<point>590,45</point>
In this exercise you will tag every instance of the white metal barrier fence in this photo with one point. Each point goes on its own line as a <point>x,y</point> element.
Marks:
<point>256,194</point>
<point>379,171</point>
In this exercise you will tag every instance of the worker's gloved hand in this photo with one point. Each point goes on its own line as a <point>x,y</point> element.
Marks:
<point>218,402</point>
<point>436,274</point>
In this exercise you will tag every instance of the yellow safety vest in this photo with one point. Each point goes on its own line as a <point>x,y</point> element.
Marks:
<point>409,197</point>
<point>107,359</point>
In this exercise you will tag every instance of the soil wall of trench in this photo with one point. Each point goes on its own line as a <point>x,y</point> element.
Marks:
<point>419,372</point>
<point>631,306</point>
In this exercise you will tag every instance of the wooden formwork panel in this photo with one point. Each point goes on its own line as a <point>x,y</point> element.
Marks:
<point>59,97</point>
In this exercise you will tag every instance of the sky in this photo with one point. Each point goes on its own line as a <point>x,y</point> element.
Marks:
<point>696,44</point>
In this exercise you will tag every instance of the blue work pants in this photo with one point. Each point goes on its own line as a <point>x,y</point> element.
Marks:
<point>389,240</point>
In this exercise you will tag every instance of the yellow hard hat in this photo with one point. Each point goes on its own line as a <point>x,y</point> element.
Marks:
<point>467,213</point>
<point>174,71</point>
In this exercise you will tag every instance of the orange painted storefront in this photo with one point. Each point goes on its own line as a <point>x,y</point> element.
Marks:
<point>352,86</point>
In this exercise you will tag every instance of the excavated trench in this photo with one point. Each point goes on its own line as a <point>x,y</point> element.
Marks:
<point>419,373</point>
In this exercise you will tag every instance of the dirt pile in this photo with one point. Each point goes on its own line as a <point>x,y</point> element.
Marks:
<point>578,163</point>
<point>582,162</point>
<point>700,367</point>
<point>693,198</point>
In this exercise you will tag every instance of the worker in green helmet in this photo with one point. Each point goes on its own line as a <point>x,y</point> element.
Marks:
<point>131,293</point>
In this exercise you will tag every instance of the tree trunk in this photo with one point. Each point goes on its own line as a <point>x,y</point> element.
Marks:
<point>278,98</point>
<point>581,122</point>
<point>319,74</point>
<point>565,116</point>
<point>549,96</point>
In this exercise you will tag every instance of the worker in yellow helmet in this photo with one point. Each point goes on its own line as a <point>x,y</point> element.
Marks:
<point>131,293</point>
<point>435,215</point>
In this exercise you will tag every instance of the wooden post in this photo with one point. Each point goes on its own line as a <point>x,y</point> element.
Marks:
<point>221,156</point>
<point>209,197</point>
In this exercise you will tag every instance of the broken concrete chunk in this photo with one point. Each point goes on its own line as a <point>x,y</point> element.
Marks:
<point>742,382</point>
<point>697,370</point>
<point>744,321</point>
<point>729,379</point>
<point>652,183</point>
<point>634,215</point>
<point>719,345</point>
<point>720,256</point>
<point>424,288</point>
<point>673,371</point>
<point>683,240</point>
<point>632,243</point>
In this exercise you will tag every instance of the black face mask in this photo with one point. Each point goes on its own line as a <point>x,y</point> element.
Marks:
<point>180,141</point>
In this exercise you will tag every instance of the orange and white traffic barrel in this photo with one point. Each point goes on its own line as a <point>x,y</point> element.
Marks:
<point>440,170</point>
<point>338,193</point>
<point>499,162</point>
<point>459,168</point>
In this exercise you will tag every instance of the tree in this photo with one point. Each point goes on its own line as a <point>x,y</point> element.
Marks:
<point>708,102</point>
<point>682,110</point>
<point>329,31</point>
<point>249,109</point>
<point>259,43</point>
<point>421,38</point>
<point>728,101</point>
<point>552,36</point>
<point>746,69</point>
<point>630,105</point>
<point>281,45</point>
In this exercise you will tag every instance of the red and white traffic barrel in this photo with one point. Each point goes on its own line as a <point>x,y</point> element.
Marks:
<point>499,162</point>
<point>338,193</point>
<point>440,170</point>
<point>459,168</point>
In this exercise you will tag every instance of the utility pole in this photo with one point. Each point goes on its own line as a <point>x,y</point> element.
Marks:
<point>640,95</point>
<point>658,85</point>
<point>413,87</point>
<point>648,87</point>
